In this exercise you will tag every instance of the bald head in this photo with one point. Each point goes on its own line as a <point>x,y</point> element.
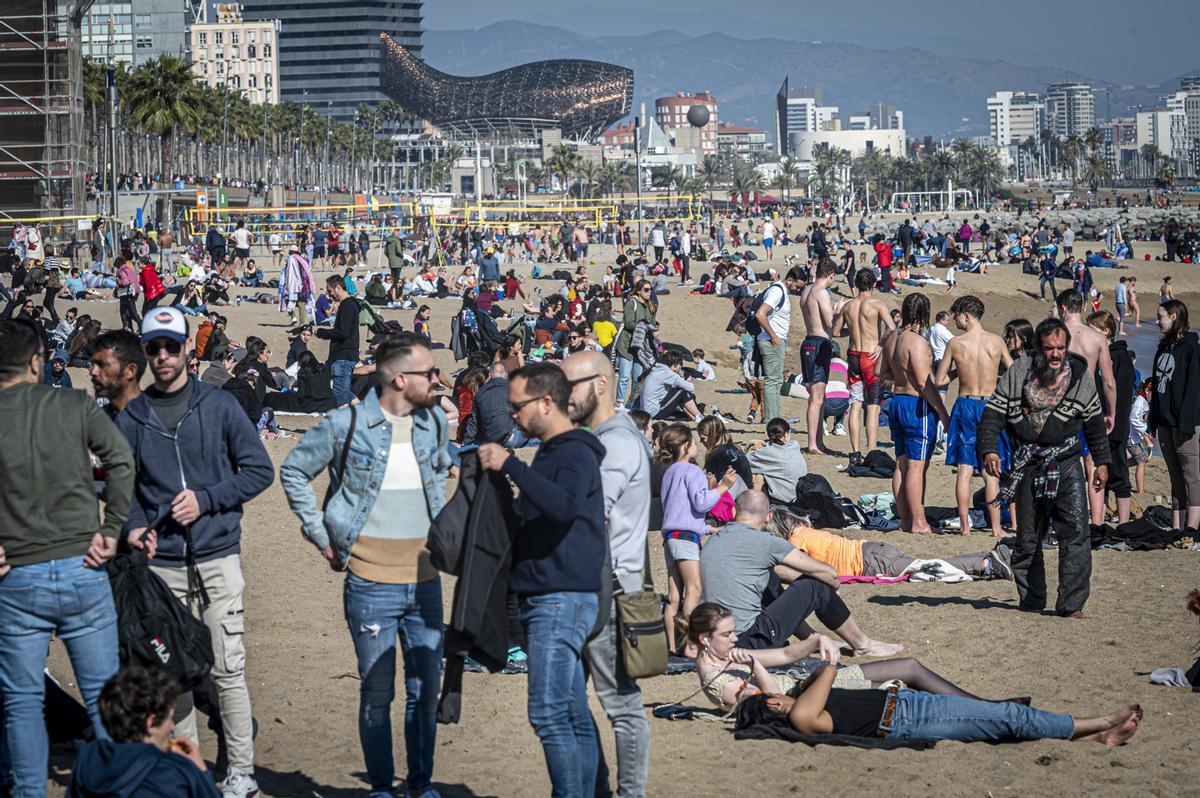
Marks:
<point>591,378</point>
<point>585,364</point>
<point>751,508</point>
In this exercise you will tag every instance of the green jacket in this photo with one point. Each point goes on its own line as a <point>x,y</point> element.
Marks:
<point>48,505</point>
<point>635,311</point>
<point>394,251</point>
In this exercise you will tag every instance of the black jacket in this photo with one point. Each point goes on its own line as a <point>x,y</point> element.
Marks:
<point>561,543</point>
<point>490,420</point>
<point>343,336</point>
<point>1176,401</point>
<point>1123,374</point>
<point>472,539</point>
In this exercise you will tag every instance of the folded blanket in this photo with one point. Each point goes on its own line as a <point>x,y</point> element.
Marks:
<point>936,571</point>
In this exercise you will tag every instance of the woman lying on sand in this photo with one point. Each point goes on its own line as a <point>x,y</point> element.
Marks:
<point>729,674</point>
<point>818,707</point>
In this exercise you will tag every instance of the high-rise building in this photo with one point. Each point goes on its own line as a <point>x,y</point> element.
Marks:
<point>140,30</point>
<point>1189,88</point>
<point>240,54</point>
<point>329,50</point>
<point>1070,109</point>
<point>1015,116</point>
<point>885,117</point>
<point>671,114</point>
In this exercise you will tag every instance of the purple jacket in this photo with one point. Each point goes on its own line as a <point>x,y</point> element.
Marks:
<point>686,498</point>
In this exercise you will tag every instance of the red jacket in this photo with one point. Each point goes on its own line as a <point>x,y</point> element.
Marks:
<point>152,284</point>
<point>883,250</point>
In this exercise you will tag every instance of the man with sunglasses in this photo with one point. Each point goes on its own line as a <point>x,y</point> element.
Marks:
<point>199,460</point>
<point>558,566</point>
<point>375,524</point>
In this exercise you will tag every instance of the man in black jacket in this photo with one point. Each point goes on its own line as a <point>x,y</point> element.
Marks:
<point>343,339</point>
<point>1044,400</point>
<point>558,564</point>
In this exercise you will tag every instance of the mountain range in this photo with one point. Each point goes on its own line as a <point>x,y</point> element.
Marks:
<point>940,95</point>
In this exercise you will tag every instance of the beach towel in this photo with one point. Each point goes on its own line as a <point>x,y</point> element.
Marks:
<point>879,579</point>
<point>936,571</point>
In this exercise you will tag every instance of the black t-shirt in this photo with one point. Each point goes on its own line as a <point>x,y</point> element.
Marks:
<point>856,712</point>
<point>170,407</point>
<point>726,455</point>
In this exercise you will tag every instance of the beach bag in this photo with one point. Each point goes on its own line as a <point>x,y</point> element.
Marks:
<point>155,629</point>
<point>642,631</point>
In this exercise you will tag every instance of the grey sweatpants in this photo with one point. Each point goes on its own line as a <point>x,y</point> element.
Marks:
<point>1182,456</point>
<point>884,559</point>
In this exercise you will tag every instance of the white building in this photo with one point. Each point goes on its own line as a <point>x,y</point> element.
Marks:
<point>1165,129</point>
<point>671,114</point>
<point>1070,109</point>
<point>856,142</point>
<point>1014,116</point>
<point>240,54</point>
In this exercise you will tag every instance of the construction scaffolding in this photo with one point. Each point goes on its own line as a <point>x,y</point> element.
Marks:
<point>41,108</point>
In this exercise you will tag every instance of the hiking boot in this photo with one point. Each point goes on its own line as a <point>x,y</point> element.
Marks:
<point>239,784</point>
<point>856,458</point>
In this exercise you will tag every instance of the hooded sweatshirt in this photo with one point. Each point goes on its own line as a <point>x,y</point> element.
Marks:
<point>107,769</point>
<point>1176,381</point>
<point>215,452</point>
<point>560,543</point>
<point>781,465</point>
<point>625,476</point>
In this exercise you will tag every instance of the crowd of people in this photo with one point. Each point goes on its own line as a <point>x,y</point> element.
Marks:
<point>1049,415</point>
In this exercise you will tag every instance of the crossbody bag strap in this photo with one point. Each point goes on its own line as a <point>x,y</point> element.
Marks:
<point>345,454</point>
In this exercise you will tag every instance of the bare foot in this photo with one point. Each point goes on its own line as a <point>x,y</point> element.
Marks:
<point>997,533</point>
<point>966,531</point>
<point>923,530</point>
<point>876,648</point>
<point>1127,725</point>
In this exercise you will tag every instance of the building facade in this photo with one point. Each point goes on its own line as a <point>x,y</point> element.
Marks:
<point>1015,116</point>
<point>240,54</point>
<point>329,50</point>
<point>856,142</point>
<point>671,114</point>
<point>742,142</point>
<point>1070,109</point>
<point>140,30</point>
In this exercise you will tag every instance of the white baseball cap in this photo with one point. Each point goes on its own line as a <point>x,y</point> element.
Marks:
<point>165,323</point>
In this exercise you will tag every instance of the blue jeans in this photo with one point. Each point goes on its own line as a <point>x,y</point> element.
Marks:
<point>339,372</point>
<point>377,614</point>
<point>1042,282</point>
<point>556,627</point>
<point>63,598</point>
<point>925,716</point>
<point>628,371</point>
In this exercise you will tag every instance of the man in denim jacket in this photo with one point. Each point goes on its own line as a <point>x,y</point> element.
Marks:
<point>387,459</point>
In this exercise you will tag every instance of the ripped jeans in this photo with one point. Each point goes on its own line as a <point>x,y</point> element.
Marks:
<point>377,615</point>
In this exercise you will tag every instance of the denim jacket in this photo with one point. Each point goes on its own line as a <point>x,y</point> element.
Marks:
<point>352,494</point>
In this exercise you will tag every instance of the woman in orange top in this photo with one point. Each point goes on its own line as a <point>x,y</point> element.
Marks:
<point>872,558</point>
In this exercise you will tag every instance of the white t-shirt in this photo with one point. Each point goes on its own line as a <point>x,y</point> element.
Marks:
<point>707,373</point>
<point>241,238</point>
<point>1137,419</point>
<point>768,230</point>
<point>938,336</point>
<point>780,317</point>
<point>275,241</point>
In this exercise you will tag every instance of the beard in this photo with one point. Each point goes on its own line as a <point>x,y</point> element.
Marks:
<point>580,411</point>
<point>1045,372</point>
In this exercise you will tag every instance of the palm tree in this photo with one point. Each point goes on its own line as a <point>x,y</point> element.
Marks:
<point>163,96</point>
<point>983,169</point>
<point>789,169</point>
<point>746,181</point>
<point>829,163</point>
<point>1151,155</point>
<point>1072,148</point>
<point>562,163</point>
<point>667,177</point>
<point>1166,175</point>
<point>589,173</point>
<point>961,150</point>
<point>1096,170</point>
<point>710,172</point>
<point>872,166</point>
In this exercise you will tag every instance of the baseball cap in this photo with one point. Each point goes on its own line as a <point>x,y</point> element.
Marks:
<point>165,323</point>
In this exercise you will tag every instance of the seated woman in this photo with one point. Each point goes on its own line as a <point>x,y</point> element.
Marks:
<point>721,453</point>
<point>870,557</point>
<point>252,276</point>
<point>189,300</point>
<point>821,708</point>
<point>711,642</point>
<point>376,291</point>
<point>780,461</point>
<point>313,392</point>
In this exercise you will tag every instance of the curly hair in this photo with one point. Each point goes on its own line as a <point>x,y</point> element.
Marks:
<point>133,696</point>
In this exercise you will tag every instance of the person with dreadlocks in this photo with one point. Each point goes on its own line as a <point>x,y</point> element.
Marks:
<point>1043,401</point>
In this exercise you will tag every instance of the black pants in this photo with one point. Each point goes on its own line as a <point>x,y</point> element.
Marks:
<point>48,304</point>
<point>672,406</point>
<point>147,304</point>
<point>658,253</point>
<point>686,262</point>
<point>130,319</point>
<point>1070,513</point>
<point>785,616</point>
<point>1118,470</point>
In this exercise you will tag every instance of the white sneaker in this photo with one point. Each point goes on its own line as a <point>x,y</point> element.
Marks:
<point>838,430</point>
<point>239,784</point>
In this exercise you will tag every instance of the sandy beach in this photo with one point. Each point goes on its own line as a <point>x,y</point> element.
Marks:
<point>301,667</point>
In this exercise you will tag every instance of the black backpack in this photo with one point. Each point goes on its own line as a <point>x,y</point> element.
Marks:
<point>154,628</point>
<point>753,328</point>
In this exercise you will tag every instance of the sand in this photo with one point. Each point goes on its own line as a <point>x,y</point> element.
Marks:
<point>301,666</point>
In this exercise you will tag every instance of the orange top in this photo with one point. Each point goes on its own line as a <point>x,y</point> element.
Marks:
<point>843,554</point>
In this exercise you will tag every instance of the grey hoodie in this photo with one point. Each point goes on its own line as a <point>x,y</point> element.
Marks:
<point>625,475</point>
<point>781,466</point>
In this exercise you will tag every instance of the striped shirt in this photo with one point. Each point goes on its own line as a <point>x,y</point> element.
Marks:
<point>391,546</point>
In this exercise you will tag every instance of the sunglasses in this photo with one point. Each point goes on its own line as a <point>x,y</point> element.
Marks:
<point>428,374</point>
<point>517,407</point>
<point>154,347</point>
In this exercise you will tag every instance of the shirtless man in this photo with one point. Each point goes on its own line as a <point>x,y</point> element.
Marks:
<point>976,356</point>
<point>915,410</point>
<point>865,318</point>
<point>817,350</point>
<point>1091,345</point>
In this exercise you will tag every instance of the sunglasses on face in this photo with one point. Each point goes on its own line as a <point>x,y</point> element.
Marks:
<point>428,374</point>
<point>154,347</point>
